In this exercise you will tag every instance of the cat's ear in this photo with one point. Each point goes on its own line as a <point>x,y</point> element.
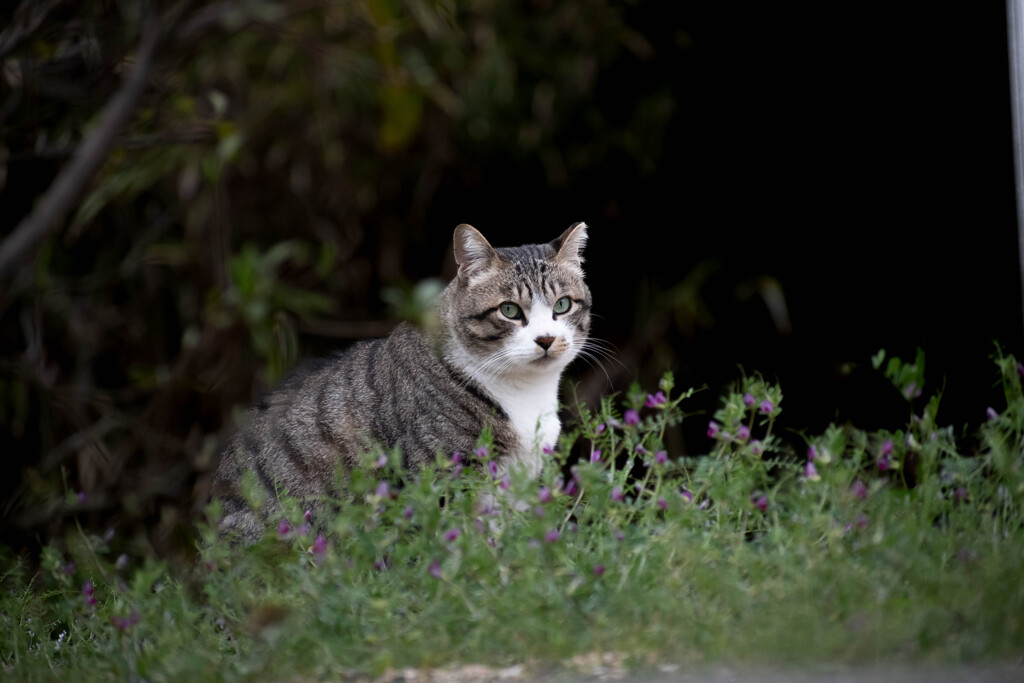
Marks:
<point>473,252</point>
<point>571,244</point>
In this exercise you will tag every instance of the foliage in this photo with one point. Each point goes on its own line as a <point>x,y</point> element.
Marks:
<point>747,554</point>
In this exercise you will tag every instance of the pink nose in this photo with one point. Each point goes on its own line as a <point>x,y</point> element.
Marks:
<point>544,342</point>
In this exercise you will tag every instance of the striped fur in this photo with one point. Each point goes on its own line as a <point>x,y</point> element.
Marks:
<point>425,395</point>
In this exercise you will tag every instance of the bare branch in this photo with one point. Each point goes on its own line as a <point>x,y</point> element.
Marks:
<point>27,18</point>
<point>61,197</point>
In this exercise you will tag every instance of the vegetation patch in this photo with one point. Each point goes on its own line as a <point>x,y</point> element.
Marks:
<point>905,544</point>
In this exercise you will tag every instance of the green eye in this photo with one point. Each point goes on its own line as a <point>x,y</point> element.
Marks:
<point>510,310</point>
<point>562,305</point>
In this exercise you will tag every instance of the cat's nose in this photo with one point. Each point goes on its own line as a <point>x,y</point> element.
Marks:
<point>544,342</point>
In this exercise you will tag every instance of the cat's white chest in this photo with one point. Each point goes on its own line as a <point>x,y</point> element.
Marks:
<point>533,411</point>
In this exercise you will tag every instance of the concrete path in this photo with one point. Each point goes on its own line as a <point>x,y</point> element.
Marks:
<point>595,671</point>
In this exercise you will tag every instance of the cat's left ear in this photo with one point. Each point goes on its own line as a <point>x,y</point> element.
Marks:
<point>571,244</point>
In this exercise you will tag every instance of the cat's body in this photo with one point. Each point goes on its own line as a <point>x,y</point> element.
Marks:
<point>512,319</point>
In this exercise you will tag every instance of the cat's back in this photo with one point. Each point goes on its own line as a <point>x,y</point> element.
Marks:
<point>403,392</point>
<point>396,392</point>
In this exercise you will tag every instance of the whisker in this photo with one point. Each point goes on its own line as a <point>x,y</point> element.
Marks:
<point>593,361</point>
<point>493,366</point>
<point>599,347</point>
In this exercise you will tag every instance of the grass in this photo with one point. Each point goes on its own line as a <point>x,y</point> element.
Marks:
<point>869,546</point>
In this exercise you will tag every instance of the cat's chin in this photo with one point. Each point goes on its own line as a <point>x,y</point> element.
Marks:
<point>548,364</point>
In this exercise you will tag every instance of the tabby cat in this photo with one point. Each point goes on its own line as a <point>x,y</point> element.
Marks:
<point>511,320</point>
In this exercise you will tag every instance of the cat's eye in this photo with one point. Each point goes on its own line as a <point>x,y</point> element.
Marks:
<point>562,305</point>
<point>510,310</point>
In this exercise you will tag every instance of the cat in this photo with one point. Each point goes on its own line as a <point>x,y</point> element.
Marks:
<point>511,320</point>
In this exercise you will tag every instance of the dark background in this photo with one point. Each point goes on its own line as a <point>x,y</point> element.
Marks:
<point>773,191</point>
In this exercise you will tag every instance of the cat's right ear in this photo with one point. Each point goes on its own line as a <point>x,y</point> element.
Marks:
<point>473,252</point>
<point>569,246</point>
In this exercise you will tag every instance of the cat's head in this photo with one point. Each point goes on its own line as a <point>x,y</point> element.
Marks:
<point>519,310</point>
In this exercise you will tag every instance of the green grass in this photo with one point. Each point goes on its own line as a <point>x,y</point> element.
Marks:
<point>745,555</point>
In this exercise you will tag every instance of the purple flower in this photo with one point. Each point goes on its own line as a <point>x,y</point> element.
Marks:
<point>482,452</point>
<point>539,511</point>
<point>124,623</point>
<point>81,498</point>
<point>991,413</point>
<point>811,472</point>
<point>307,516</point>
<point>407,512</point>
<point>569,487</point>
<point>767,407</point>
<point>713,429</point>
<point>887,447</point>
<point>812,454</point>
<point>640,449</point>
<point>862,520</point>
<point>884,463</point>
<point>595,456</point>
<point>381,461</point>
<point>598,569</point>
<point>756,447</point>
<point>859,489</point>
<point>748,399</point>
<point>544,494</point>
<point>548,449</point>
<point>631,418</point>
<point>966,555</point>
<point>660,458</point>
<point>283,528</point>
<point>304,530</point>
<point>686,495</point>
<point>619,536</point>
<point>662,503</point>
<point>599,429</point>
<point>617,494</point>
<point>435,569</point>
<point>743,432</point>
<point>480,525</point>
<point>383,490</point>
<point>657,400</point>
<point>320,548</point>
<point>88,589</point>
<point>492,468</point>
<point>69,569</point>
<point>552,536</point>
<point>760,502</point>
<point>961,493</point>
<point>451,535</point>
<point>457,458</point>
<point>505,483</point>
